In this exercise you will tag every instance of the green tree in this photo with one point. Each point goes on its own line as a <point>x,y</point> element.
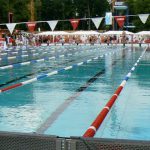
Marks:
<point>139,7</point>
<point>4,9</point>
<point>55,10</point>
<point>19,8</point>
<point>21,11</point>
<point>67,9</point>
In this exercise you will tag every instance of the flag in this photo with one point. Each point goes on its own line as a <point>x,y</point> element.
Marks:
<point>97,21</point>
<point>74,23</point>
<point>31,26</point>
<point>143,17</point>
<point>120,20</point>
<point>108,18</point>
<point>11,27</point>
<point>52,24</point>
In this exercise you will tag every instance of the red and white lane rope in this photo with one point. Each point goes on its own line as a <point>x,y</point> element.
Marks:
<point>90,132</point>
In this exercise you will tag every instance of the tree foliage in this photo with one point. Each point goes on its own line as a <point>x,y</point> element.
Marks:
<point>139,7</point>
<point>19,8</point>
<point>66,9</point>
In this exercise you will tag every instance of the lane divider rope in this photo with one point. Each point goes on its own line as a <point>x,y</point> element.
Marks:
<point>90,132</point>
<point>39,60</point>
<point>30,74</point>
<point>39,77</point>
<point>19,56</point>
<point>23,53</point>
<point>32,51</point>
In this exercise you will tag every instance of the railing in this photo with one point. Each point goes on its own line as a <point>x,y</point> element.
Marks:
<point>20,141</point>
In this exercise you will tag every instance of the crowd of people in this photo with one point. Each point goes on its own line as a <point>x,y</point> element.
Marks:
<point>37,40</point>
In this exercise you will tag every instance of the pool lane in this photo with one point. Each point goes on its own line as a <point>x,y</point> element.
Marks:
<point>79,115</point>
<point>130,117</point>
<point>31,105</point>
<point>49,121</point>
<point>43,75</point>
<point>25,109</point>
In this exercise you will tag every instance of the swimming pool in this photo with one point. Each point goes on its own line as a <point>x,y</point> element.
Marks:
<point>65,104</point>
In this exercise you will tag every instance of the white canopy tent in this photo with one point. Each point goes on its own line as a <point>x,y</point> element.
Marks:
<point>143,33</point>
<point>69,33</point>
<point>85,33</point>
<point>117,33</point>
<point>54,33</point>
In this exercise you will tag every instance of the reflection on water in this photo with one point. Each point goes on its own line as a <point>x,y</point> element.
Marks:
<point>131,110</point>
<point>24,109</point>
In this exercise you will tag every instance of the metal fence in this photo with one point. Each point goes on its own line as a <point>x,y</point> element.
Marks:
<point>20,141</point>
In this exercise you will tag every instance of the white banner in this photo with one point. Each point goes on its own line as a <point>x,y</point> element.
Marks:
<point>11,27</point>
<point>143,17</point>
<point>108,18</point>
<point>97,21</point>
<point>52,24</point>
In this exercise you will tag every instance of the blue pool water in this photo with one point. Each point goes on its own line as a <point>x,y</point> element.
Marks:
<point>61,105</point>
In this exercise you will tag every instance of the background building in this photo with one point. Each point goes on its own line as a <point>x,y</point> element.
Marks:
<point>120,9</point>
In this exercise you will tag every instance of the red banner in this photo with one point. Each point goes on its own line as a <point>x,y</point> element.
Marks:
<point>74,23</point>
<point>120,20</point>
<point>31,26</point>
